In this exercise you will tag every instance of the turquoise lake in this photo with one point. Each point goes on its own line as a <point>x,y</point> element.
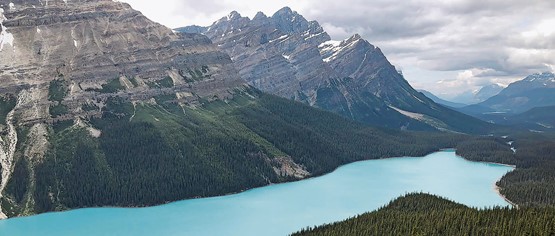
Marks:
<point>284,208</point>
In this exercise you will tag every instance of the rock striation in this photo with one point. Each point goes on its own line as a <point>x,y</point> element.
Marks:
<point>289,56</point>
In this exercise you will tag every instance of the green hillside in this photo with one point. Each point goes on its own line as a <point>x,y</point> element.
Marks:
<point>152,153</point>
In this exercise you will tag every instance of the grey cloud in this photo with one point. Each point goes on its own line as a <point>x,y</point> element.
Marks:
<point>449,35</point>
<point>493,36</point>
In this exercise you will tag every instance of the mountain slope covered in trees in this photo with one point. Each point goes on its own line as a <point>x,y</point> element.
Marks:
<point>422,214</point>
<point>140,154</point>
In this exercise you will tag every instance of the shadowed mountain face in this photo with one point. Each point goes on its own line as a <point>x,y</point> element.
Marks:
<point>294,58</point>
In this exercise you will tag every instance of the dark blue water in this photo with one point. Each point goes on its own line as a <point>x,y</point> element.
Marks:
<point>284,208</point>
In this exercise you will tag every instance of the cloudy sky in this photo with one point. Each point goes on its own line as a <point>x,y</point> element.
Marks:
<point>445,46</point>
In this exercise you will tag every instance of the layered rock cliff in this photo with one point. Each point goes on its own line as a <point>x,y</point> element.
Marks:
<point>294,58</point>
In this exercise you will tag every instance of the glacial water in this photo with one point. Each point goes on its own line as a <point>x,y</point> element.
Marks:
<point>284,208</point>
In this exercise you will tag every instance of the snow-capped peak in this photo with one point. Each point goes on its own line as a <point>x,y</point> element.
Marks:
<point>544,77</point>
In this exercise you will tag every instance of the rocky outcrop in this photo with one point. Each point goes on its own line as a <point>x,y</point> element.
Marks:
<point>88,43</point>
<point>287,55</point>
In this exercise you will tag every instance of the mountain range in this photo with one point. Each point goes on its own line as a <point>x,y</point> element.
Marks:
<point>487,92</point>
<point>528,103</point>
<point>289,56</point>
<point>100,106</point>
<point>537,90</point>
<point>477,96</point>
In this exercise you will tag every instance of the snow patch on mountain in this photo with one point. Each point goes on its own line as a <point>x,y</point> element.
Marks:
<point>5,36</point>
<point>331,49</point>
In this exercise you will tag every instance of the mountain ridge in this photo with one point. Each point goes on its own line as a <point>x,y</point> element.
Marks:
<point>536,90</point>
<point>291,57</point>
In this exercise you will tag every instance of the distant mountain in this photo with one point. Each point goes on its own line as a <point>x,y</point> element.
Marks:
<point>537,90</point>
<point>474,97</point>
<point>530,83</point>
<point>487,92</point>
<point>441,101</point>
<point>286,55</point>
<point>466,97</point>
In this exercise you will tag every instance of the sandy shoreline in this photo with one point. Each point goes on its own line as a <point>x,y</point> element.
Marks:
<point>501,164</point>
<point>497,189</point>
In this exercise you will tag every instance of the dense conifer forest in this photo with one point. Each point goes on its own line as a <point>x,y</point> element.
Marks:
<point>533,181</point>
<point>154,153</point>
<point>531,186</point>
<point>422,214</point>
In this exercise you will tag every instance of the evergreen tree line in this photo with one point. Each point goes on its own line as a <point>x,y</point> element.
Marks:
<point>153,154</point>
<point>422,214</point>
<point>533,181</point>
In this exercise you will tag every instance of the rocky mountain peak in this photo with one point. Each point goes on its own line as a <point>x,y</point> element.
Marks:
<point>545,80</point>
<point>233,15</point>
<point>289,21</point>
<point>284,12</point>
<point>355,37</point>
<point>487,91</point>
<point>541,77</point>
<point>355,41</point>
<point>288,56</point>
<point>260,16</point>
<point>260,19</point>
<point>231,18</point>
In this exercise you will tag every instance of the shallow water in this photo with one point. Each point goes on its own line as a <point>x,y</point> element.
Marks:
<point>284,208</point>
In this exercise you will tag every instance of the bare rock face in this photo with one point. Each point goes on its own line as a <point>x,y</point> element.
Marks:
<point>294,58</point>
<point>88,43</point>
<point>276,54</point>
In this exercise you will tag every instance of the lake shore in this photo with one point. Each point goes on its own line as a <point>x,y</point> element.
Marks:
<point>497,189</point>
<point>501,164</point>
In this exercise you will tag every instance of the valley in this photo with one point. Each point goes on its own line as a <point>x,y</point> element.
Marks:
<point>280,209</point>
<point>257,126</point>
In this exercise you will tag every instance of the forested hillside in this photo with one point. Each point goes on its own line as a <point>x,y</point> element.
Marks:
<point>533,181</point>
<point>147,153</point>
<point>531,186</point>
<point>422,214</point>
